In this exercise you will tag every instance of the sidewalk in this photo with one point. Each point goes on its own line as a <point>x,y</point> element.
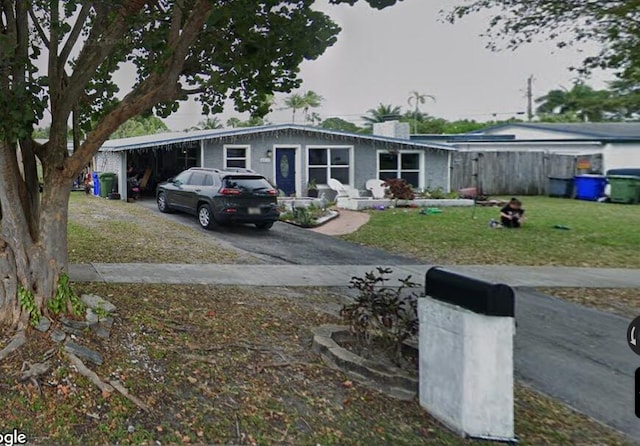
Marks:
<point>340,275</point>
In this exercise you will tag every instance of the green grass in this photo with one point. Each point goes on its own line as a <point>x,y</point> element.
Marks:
<point>600,235</point>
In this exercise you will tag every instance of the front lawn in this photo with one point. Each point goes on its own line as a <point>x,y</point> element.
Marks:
<point>112,231</point>
<point>600,234</point>
<point>229,365</point>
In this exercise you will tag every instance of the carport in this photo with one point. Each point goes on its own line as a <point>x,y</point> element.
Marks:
<point>152,158</point>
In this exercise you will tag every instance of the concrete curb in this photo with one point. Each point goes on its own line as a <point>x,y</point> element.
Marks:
<point>391,381</point>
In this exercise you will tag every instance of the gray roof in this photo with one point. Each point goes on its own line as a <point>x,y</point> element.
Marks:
<point>168,139</point>
<point>606,130</point>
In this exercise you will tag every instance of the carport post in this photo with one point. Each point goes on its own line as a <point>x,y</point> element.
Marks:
<point>466,354</point>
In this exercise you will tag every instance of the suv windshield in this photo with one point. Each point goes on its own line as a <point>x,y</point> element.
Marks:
<point>246,184</point>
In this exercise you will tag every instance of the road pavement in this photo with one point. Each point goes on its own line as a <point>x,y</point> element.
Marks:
<point>578,355</point>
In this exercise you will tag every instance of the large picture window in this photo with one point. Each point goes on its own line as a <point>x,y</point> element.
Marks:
<point>329,162</point>
<point>405,165</point>
<point>237,156</point>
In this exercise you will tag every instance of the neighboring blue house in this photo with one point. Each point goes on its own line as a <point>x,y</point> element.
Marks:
<point>289,155</point>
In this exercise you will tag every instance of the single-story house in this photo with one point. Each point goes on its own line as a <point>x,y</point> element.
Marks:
<point>617,142</point>
<point>289,155</point>
<point>518,158</point>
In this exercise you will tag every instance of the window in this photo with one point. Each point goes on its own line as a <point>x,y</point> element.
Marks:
<point>329,162</point>
<point>405,165</point>
<point>237,156</point>
<point>201,179</point>
<point>251,184</point>
<point>183,177</point>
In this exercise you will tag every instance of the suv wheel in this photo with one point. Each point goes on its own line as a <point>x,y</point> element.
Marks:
<point>265,226</point>
<point>205,217</point>
<point>163,206</point>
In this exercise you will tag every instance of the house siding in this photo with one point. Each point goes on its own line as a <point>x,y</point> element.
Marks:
<point>113,162</point>
<point>363,163</point>
<point>435,172</point>
<point>621,155</point>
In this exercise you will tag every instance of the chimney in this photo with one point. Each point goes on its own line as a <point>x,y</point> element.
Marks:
<point>392,129</point>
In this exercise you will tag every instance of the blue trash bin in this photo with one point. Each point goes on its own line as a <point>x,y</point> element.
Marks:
<point>96,184</point>
<point>589,187</point>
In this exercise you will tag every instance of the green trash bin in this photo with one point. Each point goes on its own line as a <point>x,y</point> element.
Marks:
<point>107,180</point>
<point>624,189</point>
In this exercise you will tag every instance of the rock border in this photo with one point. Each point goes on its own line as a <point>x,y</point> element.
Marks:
<point>391,381</point>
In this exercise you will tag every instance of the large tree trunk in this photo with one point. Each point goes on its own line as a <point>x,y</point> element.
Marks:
<point>32,245</point>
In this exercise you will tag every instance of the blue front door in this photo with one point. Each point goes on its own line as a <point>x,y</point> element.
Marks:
<point>286,170</point>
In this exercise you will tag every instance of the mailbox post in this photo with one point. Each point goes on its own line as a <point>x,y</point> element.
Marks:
<point>466,354</point>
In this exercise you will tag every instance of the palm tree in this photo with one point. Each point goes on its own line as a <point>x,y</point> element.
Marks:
<point>295,102</point>
<point>582,100</point>
<point>210,123</point>
<point>233,122</point>
<point>311,100</point>
<point>418,99</point>
<point>382,113</point>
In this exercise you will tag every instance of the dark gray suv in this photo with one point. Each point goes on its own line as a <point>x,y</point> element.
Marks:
<point>221,197</point>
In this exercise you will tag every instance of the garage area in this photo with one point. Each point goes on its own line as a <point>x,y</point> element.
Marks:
<point>145,163</point>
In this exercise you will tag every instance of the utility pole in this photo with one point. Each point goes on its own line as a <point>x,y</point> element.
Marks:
<point>530,97</point>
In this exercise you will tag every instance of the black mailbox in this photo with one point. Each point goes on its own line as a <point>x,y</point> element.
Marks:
<point>475,295</point>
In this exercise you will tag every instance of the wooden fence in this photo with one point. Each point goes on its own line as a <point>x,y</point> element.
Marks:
<point>517,173</point>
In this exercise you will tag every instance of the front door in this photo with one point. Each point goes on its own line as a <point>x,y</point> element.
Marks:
<point>286,170</point>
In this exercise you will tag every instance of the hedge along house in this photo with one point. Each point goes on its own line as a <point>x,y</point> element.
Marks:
<point>289,155</point>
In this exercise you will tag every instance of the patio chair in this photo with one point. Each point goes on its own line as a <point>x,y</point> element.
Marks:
<point>376,187</point>
<point>342,190</point>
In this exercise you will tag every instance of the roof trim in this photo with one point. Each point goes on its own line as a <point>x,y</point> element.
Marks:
<point>541,126</point>
<point>166,139</point>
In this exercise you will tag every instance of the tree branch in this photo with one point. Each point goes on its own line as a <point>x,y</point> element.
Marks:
<point>41,33</point>
<point>190,91</point>
<point>161,86</point>
<point>95,51</point>
<point>17,341</point>
<point>75,33</point>
<point>176,22</point>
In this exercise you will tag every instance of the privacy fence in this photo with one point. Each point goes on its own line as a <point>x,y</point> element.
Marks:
<point>517,173</point>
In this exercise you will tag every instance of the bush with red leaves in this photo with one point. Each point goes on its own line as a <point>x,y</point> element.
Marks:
<point>399,189</point>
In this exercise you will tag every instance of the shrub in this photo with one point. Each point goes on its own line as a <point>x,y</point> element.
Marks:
<point>438,194</point>
<point>304,216</point>
<point>382,312</point>
<point>399,189</point>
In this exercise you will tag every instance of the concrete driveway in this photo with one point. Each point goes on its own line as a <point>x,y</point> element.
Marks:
<point>573,353</point>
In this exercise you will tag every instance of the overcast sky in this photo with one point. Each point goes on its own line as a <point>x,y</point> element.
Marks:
<point>381,56</point>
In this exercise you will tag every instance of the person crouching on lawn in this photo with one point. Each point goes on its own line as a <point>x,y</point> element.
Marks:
<point>512,215</point>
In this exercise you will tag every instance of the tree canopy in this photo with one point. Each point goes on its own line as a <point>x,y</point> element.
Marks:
<point>61,56</point>
<point>139,126</point>
<point>302,101</point>
<point>340,124</point>
<point>581,102</point>
<point>209,123</point>
<point>611,23</point>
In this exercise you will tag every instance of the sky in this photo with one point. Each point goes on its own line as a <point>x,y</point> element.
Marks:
<point>381,56</point>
